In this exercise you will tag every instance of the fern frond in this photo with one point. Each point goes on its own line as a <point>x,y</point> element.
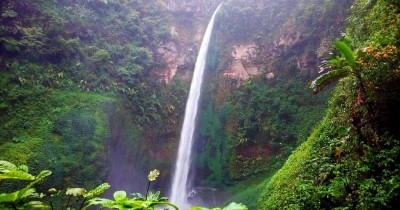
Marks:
<point>101,201</point>
<point>97,191</point>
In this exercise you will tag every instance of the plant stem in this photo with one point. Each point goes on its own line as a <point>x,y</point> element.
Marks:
<point>69,199</point>
<point>148,187</point>
<point>83,202</point>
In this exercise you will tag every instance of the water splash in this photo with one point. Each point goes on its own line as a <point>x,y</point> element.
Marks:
<point>180,184</point>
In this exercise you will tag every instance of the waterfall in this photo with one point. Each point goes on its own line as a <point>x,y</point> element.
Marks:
<point>180,184</point>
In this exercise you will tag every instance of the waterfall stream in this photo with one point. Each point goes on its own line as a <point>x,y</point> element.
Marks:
<point>180,183</point>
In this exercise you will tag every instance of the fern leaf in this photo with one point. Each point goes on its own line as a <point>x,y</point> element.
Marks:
<point>97,191</point>
<point>347,52</point>
<point>120,196</point>
<point>101,201</point>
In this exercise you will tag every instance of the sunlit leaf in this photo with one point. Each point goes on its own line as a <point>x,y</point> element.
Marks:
<point>347,52</point>
<point>8,197</point>
<point>36,205</point>
<point>20,175</point>
<point>235,206</point>
<point>120,196</point>
<point>97,191</point>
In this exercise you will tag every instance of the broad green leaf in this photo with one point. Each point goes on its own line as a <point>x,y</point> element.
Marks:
<point>101,201</point>
<point>347,52</point>
<point>235,206</point>
<point>40,177</point>
<point>198,208</point>
<point>36,205</point>
<point>23,168</point>
<point>164,204</point>
<point>231,206</point>
<point>5,165</point>
<point>20,175</point>
<point>8,197</point>
<point>120,196</point>
<point>342,131</point>
<point>31,192</point>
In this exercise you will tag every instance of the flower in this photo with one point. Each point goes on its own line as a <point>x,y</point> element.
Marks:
<point>52,191</point>
<point>75,191</point>
<point>153,175</point>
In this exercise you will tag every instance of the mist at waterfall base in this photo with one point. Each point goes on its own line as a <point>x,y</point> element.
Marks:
<point>181,184</point>
<point>126,152</point>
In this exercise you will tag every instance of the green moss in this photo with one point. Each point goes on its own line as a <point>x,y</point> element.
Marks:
<point>61,130</point>
<point>22,152</point>
<point>284,190</point>
<point>348,161</point>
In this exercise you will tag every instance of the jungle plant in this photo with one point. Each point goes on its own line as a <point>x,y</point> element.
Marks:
<point>349,63</point>
<point>340,66</point>
<point>83,195</point>
<point>27,197</point>
<point>231,206</point>
<point>138,201</point>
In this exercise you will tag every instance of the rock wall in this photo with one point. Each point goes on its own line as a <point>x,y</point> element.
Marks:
<point>188,20</point>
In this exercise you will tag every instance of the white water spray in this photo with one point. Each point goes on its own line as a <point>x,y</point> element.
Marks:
<point>180,185</point>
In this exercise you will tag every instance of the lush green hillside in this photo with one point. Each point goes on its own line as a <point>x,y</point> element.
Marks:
<point>71,72</point>
<point>249,126</point>
<point>351,159</point>
<point>82,82</point>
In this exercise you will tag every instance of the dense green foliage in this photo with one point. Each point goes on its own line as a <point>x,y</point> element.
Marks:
<point>256,128</point>
<point>350,160</point>
<point>63,131</point>
<point>75,74</point>
<point>28,198</point>
<point>68,69</point>
<point>248,128</point>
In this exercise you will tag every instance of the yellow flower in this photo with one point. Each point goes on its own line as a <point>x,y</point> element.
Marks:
<point>153,175</point>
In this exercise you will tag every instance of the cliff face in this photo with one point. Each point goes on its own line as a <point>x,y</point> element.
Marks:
<point>188,21</point>
<point>256,95</point>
